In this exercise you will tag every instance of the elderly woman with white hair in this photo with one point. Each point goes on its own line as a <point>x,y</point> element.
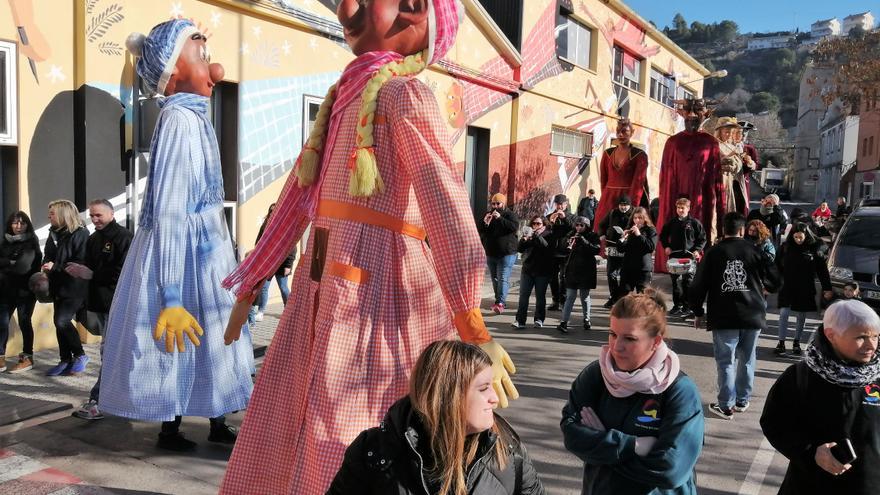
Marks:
<point>823,413</point>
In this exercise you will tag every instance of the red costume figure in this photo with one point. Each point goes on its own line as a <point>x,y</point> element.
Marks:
<point>689,169</point>
<point>749,149</point>
<point>375,179</point>
<point>622,172</point>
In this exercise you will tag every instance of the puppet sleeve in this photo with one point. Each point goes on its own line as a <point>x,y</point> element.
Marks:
<point>640,175</point>
<point>422,144</point>
<point>603,171</point>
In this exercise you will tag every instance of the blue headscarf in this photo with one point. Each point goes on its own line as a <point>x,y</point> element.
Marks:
<point>157,53</point>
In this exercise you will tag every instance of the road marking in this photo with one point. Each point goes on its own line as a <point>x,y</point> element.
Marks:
<point>758,470</point>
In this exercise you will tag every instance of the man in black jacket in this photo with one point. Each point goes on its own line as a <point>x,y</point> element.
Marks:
<point>683,236</point>
<point>105,254</point>
<point>498,233</point>
<point>773,216</point>
<point>587,206</point>
<point>561,223</point>
<point>733,276</point>
<point>618,217</point>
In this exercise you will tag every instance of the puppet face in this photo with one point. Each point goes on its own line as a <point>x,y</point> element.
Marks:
<point>624,133</point>
<point>724,134</point>
<point>694,113</point>
<point>193,72</point>
<point>379,25</point>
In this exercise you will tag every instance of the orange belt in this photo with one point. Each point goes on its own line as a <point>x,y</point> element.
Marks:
<point>346,211</point>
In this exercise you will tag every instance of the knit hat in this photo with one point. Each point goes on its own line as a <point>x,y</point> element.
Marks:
<point>560,198</point>
<point>624,200</point>
<point>498,198</point>
<point>158,52</point>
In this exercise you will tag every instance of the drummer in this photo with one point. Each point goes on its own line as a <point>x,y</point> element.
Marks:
<point>682,237</point>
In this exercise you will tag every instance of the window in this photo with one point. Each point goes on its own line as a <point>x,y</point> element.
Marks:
<point>871,145</point>
<point>662,87</point>
<point>683,93</point>
<point>311,105</point>
<point>508,16</point>
<point>571,143</point>
<point>627,69</point>
<point>864,146</point>
<point>573,40</point>
<point>8,94</point>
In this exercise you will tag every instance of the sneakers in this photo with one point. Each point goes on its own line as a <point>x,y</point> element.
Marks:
<point>175,442</point>
<point>674,311</point>
<point>796,348</point>
<point>223,434</point>
<point>685,313</point>
<point>257,317</point>
<point>608,304</point>
<point>741,406</point>
<point>498,308</point>
<point>562,327</point>
<point>59,368</point>
<point>587,325</point>
<point>780,348</point>
<point>25,363</point>
<point>721,412</point>
<point>553,307</point>
<point>2,364</point>
<point>539,323</point>
<point>517,325</point>
<point>77,366</point>
<point>89,410</point>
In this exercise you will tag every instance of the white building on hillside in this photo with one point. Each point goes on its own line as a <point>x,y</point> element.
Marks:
<point>780,41</point>
<point>827,27</point>
<point>865,20</point>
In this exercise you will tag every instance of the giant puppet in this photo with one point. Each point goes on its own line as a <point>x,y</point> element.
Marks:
<point>375,180</point>
<point>735,165</point>
<point>623,171</point>
<point>741,136</point>
<point>689,169</point>
<point>170,286</point>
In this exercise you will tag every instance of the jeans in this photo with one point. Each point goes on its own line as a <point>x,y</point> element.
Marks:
<point>783,323</point>
<point>98,322</point>
<point>570,295</point>
<point>25,308</point>
<point>680,286</point>
<point>283,286</point>
<point>499,269</point>
<point>526,284</point>
<point>613,267</point>
<point>69,345</point>
<point>557,281</point>
<point>739,345</point>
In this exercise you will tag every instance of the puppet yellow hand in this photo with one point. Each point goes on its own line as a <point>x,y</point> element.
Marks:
<point>237,318</point>
<point>502,368</point>
<point>174,322</point>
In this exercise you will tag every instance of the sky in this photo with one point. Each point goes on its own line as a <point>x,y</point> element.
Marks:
<point>757,16</point>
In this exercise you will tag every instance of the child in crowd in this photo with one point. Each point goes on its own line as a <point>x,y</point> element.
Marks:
<point>682,236</point>
<point>580,270</point>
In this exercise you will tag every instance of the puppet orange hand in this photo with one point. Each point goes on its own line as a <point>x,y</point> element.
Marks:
<point>502,368</point>
<point>174,322</point>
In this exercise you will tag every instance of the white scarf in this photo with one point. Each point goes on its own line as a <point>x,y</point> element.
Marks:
<point>653,378</point>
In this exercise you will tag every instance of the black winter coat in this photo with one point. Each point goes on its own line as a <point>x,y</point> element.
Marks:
<point>580,266</point>
<point>587,208</point>
<point>538,254</point>
<point>63,247</point>
<point>637,250</point>
<point>683,234</point>
<point>499,237</point>
<point>835,413</point>
<point>732,277</point>
<point>105,254</point>
<point>560,229</point>
<point>20,258</point>
<point>776,218</point>
<point>615,218</point>
<point>391,459</point>
<point>800,266</point>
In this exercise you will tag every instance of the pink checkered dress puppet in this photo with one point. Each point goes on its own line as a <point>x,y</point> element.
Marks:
<point>375,179</point>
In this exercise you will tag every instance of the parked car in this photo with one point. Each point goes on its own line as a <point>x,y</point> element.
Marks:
<point>856,254</point>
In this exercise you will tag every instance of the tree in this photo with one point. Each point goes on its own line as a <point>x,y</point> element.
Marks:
<point>699,32</point>
<point>855,63</point>
<point>726,31</point>
<point>763,102</point>
<point>680,27</point>
<point>857,32</point>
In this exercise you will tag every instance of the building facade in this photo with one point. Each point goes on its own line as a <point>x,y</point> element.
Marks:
<point>530,92</point>
<point>766,43</point>
<point>865,20</point>
<point>838,143</point>
<point>825,28</point>
<point>867,181</point>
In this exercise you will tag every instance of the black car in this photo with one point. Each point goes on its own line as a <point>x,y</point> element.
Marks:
<point>856,254</point>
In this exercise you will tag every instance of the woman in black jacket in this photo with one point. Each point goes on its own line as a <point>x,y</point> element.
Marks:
<point>453,446</point>
<point>829,398</point>
<point>281,277</point>
<point>19,259</point>
<point>637,246</point>
<point>498,233</point>
<point>537,268</point>
<point>67,243</point>
<point>802,259</point>
<point>580,270</point>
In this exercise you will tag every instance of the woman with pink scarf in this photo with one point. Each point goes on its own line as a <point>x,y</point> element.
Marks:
<point>633,416</point>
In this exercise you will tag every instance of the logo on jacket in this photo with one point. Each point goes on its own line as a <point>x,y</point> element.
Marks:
<point>108,246</point>
<point>872,394</point>
<point>649,412</point>
<point>735,277</point>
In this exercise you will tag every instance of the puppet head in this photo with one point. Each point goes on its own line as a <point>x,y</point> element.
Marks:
<point>724,127</point>
<point>174,58</point>
<point>694,111</point>
<point>624,131</point>
<point>746,127</point>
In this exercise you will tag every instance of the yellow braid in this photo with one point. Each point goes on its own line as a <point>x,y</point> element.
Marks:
<point>310,157</point>
<point>365,178</point>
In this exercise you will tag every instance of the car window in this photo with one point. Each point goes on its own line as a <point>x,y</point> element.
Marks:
<point>862,232</point>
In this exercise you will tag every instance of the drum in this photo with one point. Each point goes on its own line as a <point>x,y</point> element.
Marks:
<point>681,266</point>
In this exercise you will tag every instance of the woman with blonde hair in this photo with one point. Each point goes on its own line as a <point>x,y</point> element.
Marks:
<point>66,244</point>
<point>633,416</point>
<point>443,438</point>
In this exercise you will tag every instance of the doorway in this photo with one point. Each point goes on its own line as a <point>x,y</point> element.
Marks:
<point>476,169</point>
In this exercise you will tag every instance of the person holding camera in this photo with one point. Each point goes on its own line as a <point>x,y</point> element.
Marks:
<point>498,232</point>
<point>618,217</point>
<point>560,222</point>
<point>823,413</point>
<point>537,269</point>
<point>682,236</point>
<point>580,271</point>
